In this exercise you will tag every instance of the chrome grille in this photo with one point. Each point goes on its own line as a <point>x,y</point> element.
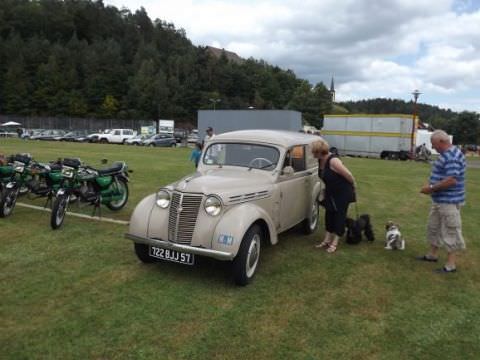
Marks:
<point>182,217</point>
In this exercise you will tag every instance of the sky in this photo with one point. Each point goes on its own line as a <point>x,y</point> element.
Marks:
<point>372,48</point>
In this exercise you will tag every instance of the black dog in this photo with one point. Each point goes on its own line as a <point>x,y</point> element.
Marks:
<point>356,227</point>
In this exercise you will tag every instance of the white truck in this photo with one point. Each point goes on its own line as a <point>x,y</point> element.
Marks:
<point>382,136</point>
<point>117,136</point>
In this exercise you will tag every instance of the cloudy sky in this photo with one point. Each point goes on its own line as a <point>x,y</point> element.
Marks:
<point>373,48</point>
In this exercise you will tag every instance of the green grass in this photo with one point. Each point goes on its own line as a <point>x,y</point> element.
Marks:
<point>80,292</point>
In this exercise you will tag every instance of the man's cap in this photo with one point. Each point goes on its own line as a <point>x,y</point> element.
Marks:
<point>209,128</point>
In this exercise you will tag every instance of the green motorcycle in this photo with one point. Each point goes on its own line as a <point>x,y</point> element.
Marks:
<point>46,179</point>
<point>16,184</point>
<point>6,175</point>
<point>90,186</point>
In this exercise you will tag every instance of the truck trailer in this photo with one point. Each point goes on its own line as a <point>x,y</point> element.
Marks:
<point>381,136</point>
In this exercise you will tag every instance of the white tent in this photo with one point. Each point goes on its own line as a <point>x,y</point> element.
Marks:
<point>11,123</point>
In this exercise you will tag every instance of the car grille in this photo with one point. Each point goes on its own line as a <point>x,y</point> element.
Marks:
<point>183,216</point>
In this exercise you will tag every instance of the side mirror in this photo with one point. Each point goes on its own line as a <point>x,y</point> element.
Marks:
<point>288,171</point>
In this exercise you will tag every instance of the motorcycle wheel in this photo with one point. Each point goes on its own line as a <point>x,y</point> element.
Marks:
<point>7,202</point>
<point>116,205</point>
<point>58,212</point>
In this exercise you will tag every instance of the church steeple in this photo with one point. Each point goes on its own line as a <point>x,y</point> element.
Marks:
<point>332,89</point>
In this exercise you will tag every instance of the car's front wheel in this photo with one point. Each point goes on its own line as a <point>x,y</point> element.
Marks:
<point>141,250</point>
<point>246,262</point>
<point>310,224</point>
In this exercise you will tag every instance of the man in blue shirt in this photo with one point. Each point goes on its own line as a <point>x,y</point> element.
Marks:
<point>447,189</point>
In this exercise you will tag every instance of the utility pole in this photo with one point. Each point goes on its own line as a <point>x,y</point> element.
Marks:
<point>415,94</point>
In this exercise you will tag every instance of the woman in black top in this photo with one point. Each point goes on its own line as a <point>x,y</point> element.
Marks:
<point>339,193</point>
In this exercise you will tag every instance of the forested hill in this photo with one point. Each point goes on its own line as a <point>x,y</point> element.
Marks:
<point>428,113</point>
<point>82,58</point>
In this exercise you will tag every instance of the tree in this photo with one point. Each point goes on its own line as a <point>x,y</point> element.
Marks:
<point>109,106</point>
<point>466,128</point>
<point>16,89</point>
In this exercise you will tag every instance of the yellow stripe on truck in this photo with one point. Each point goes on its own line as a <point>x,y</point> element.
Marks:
<point>365,133</point>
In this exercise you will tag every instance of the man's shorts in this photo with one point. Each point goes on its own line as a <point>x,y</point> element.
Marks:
<point>445,227</point>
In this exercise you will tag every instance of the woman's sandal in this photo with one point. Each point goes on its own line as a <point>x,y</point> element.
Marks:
<point>323,244</point>
<point>332,248</point>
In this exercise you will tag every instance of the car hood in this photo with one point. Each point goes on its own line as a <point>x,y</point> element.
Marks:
<point>230,185</point>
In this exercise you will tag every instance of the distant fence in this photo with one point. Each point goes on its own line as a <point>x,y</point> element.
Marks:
<point>69,123</point>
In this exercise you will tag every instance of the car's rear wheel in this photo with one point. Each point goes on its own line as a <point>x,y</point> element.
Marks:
<point>310,224</point>
<point>246,262</point>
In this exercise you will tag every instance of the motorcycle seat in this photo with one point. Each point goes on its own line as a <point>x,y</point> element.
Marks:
<point>55,167</point>
<point>112,170</point>
<point>74,163</point>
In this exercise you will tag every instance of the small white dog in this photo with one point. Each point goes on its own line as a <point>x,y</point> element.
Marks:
<point>393,237</point>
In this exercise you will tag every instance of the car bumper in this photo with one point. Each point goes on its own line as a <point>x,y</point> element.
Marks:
<point>220,255</point>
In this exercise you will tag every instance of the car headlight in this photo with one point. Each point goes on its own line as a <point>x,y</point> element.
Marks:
<point>212,205</point>
<point>163,199</point>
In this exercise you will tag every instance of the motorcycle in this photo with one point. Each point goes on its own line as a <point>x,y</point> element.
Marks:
<point>46,180</point>
<point>17,183</point>
<point>90,186</point>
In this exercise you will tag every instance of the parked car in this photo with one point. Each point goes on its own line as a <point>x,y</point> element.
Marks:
<point>71,136</point>
<point>8,133</point>
<point>249,186</point>
<point>31,132</point>
<point>193,139</point>
<point>137,140</point>
<point>117,136</point>
<point>84,137</point>
<point>164,140</point>
<point>94,137</point>
<point>180,135</point>
<point>50,134</point>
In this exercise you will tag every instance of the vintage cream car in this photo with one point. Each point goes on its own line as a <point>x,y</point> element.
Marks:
<point>250,186</point>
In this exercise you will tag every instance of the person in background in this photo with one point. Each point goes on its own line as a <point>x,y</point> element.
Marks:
<point>339,193</point>
<point>196,154</point>
<point>209,134</point>
<point>446,186</point>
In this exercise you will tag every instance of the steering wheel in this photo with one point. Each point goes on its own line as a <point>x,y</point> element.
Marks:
<point>260,160</point>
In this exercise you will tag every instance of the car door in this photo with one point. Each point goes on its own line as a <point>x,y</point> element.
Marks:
<point>117,136</point>
<point>294,187</point>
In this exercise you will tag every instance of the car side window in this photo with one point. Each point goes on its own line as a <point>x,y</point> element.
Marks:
<point>117,132</point>
<point>297,158</point>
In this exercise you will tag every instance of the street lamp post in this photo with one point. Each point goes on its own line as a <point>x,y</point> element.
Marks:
<point>415,94</point>
<point>215,101</point>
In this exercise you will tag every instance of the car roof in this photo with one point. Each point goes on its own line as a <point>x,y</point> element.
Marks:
<point>277,137</point>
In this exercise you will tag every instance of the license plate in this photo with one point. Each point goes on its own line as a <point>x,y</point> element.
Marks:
<point>172,255</point>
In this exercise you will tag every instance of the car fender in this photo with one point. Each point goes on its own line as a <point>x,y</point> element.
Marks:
<point>317,193</point>
<point>139,221</point>
<point>234,224</point>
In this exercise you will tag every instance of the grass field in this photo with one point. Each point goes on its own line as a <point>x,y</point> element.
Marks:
<point>80,292</point>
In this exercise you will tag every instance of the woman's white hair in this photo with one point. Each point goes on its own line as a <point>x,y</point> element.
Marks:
<point>441,136</point>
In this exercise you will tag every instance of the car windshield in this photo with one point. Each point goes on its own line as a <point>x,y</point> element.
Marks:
<point>244,155</point>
